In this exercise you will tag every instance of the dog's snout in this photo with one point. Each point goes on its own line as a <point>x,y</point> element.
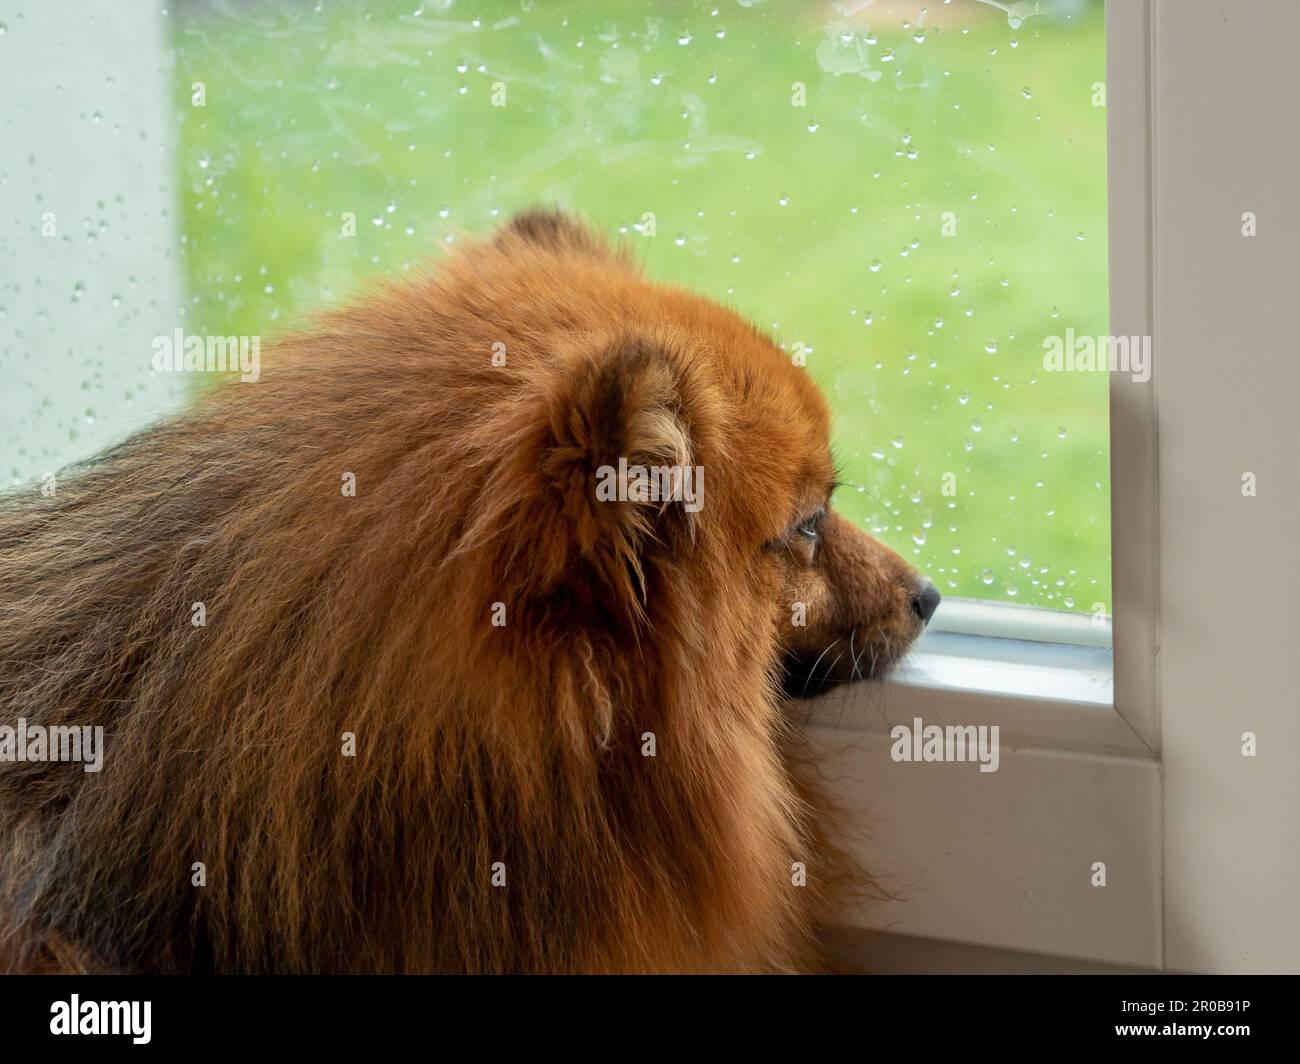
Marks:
<point>925,601</point>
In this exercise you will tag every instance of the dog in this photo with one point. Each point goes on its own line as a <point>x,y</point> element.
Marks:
<point>459,642</point>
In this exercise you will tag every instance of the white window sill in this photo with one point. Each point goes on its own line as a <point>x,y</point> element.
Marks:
<point>1009,668</point>
<point>1045,678</point>
<point>1007,621</point>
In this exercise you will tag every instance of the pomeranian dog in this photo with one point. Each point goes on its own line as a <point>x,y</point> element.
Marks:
<point>457,643</point>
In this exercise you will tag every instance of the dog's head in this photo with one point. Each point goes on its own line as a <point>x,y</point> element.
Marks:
<point>692,461</point>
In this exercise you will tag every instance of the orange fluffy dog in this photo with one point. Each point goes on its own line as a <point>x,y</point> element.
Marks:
<point>462,699</point>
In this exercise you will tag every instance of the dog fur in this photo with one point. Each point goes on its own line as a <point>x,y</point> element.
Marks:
<point>483,752</point>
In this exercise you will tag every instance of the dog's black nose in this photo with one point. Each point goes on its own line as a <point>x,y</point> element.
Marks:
<point>926,601</point>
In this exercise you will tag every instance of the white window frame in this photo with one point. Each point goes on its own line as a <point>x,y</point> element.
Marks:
<point>1078,721</point>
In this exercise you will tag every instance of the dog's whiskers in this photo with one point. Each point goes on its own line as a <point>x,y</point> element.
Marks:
<point>813,671</point>
<point>831,667</point>
<point>857,671</point>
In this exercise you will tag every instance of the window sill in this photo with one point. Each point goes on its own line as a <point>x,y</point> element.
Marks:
<point>1007,621</point>
<point>1040,692</point>
<point>1009,668</point>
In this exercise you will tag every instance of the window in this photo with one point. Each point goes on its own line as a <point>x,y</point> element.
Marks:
<point>909,198</point>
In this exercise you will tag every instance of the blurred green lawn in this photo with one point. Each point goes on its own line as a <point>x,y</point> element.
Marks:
<point>823,224</point>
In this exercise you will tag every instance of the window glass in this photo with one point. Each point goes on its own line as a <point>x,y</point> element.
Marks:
<point>88,243</point>
<point>910,198</point>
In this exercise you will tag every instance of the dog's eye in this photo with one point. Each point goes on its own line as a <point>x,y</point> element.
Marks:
<point>809,525</point>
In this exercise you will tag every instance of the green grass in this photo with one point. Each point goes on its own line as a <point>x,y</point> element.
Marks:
<point>823,223</point>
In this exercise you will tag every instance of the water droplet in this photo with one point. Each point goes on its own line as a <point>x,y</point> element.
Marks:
<point>874,266</point>
<point>1061,432</point>
<point>897,441</point>
<point>1026,93</point>
<point>991,346</point>
<point>987,576</point>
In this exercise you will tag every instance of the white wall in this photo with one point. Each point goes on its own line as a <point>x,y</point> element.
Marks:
<point>1228,372</point>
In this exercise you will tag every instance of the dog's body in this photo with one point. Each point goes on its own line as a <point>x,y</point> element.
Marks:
<point>569,748</point>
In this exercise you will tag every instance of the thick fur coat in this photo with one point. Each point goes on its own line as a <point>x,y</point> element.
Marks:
<point>470,717</point>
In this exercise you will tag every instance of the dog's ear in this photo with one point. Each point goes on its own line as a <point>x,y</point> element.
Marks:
<point>600,487</point>
<point>617,462</point>
<point>552,230</point>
